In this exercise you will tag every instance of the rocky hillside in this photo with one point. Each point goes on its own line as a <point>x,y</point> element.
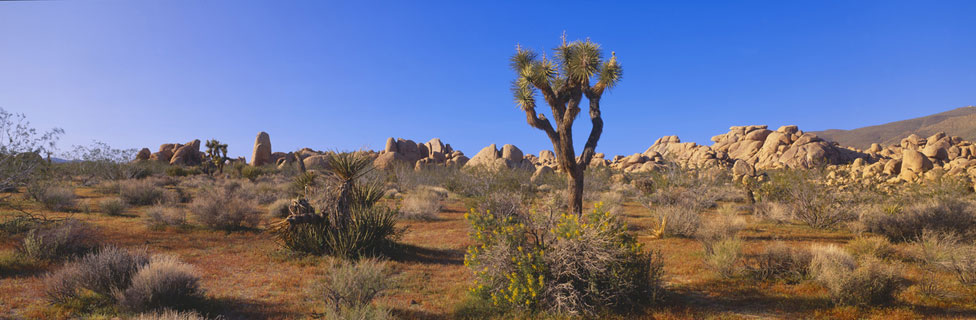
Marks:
<point>959,122</point>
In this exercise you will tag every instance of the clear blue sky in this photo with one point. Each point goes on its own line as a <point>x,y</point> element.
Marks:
<point>345,75</point>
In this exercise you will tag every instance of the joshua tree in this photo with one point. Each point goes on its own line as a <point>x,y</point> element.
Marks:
<point>576,71</point>
<point>217,154</point>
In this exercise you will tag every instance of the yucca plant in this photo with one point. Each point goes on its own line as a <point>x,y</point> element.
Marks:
<point>578,70</point>
<point>349,226</point>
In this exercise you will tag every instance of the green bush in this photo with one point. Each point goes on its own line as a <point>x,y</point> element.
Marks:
<point>180,171</point>
<point>251,172</point>
<point>569,265</point>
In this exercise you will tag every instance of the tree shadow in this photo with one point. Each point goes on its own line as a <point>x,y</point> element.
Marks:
<point>412,253</point>
<point>235,308</point>
<point>401,313</point>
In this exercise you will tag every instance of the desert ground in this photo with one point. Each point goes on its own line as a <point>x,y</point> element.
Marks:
<point>724,241</point>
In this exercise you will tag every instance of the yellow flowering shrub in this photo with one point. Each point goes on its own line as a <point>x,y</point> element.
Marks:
<point>566,264</point>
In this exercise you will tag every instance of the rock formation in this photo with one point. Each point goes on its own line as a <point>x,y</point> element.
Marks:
<point>262,150</point>
<point>403,152</point>
<point>174,153</point>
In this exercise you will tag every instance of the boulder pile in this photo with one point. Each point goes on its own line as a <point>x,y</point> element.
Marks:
<point>403,152</point>
<point>174,153</point>
<point>757,146</point>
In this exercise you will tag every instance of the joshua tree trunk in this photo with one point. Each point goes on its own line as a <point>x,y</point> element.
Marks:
<point>563,84</point>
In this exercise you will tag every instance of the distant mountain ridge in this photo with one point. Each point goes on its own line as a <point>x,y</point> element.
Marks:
<point>958,122</point>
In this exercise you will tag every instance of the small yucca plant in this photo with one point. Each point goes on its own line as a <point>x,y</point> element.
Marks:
<point>350,225</point>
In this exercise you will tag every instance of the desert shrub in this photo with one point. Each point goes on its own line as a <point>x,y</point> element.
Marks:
<point>946,251</point>
<point>52,197</point>
<point>905,224</point>
<point>140,192</point>
<point>112,206</point>
<point>109,187</point>
<point>350,288</point>
<point>105,272</point>
<point>224,208</point>
<point>422,204</point>
<point>782,262</point>
<point>130,279</point>
<point>165,282</point>
<point>871,246</point>
<point>679,220</point>
<point>170,314</point>
<point>569,265</point>
<point>160,217</point>
<point>870,283</point>
<point>262,192</point>
<point>279,208</point>
<point>61,240</point>
<point>818,206</point>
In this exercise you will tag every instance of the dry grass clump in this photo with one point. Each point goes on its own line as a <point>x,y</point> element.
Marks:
<point>772,211</point>
<point>224,208</point>
<point>871,246</point>
<point>129,279</point>
<point>140,192</point>
<point>350,288</point>
<point>112,206</point>
<point>421,204</point>
<point>679,220</point>
<point>158,217</point>
<point>164,282</point>
<point>849,283</point>
<point>939,215</point>
<point>62,240</point>
<point>947,251</point>
<point>782,262</point>
<point>723,249</point>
